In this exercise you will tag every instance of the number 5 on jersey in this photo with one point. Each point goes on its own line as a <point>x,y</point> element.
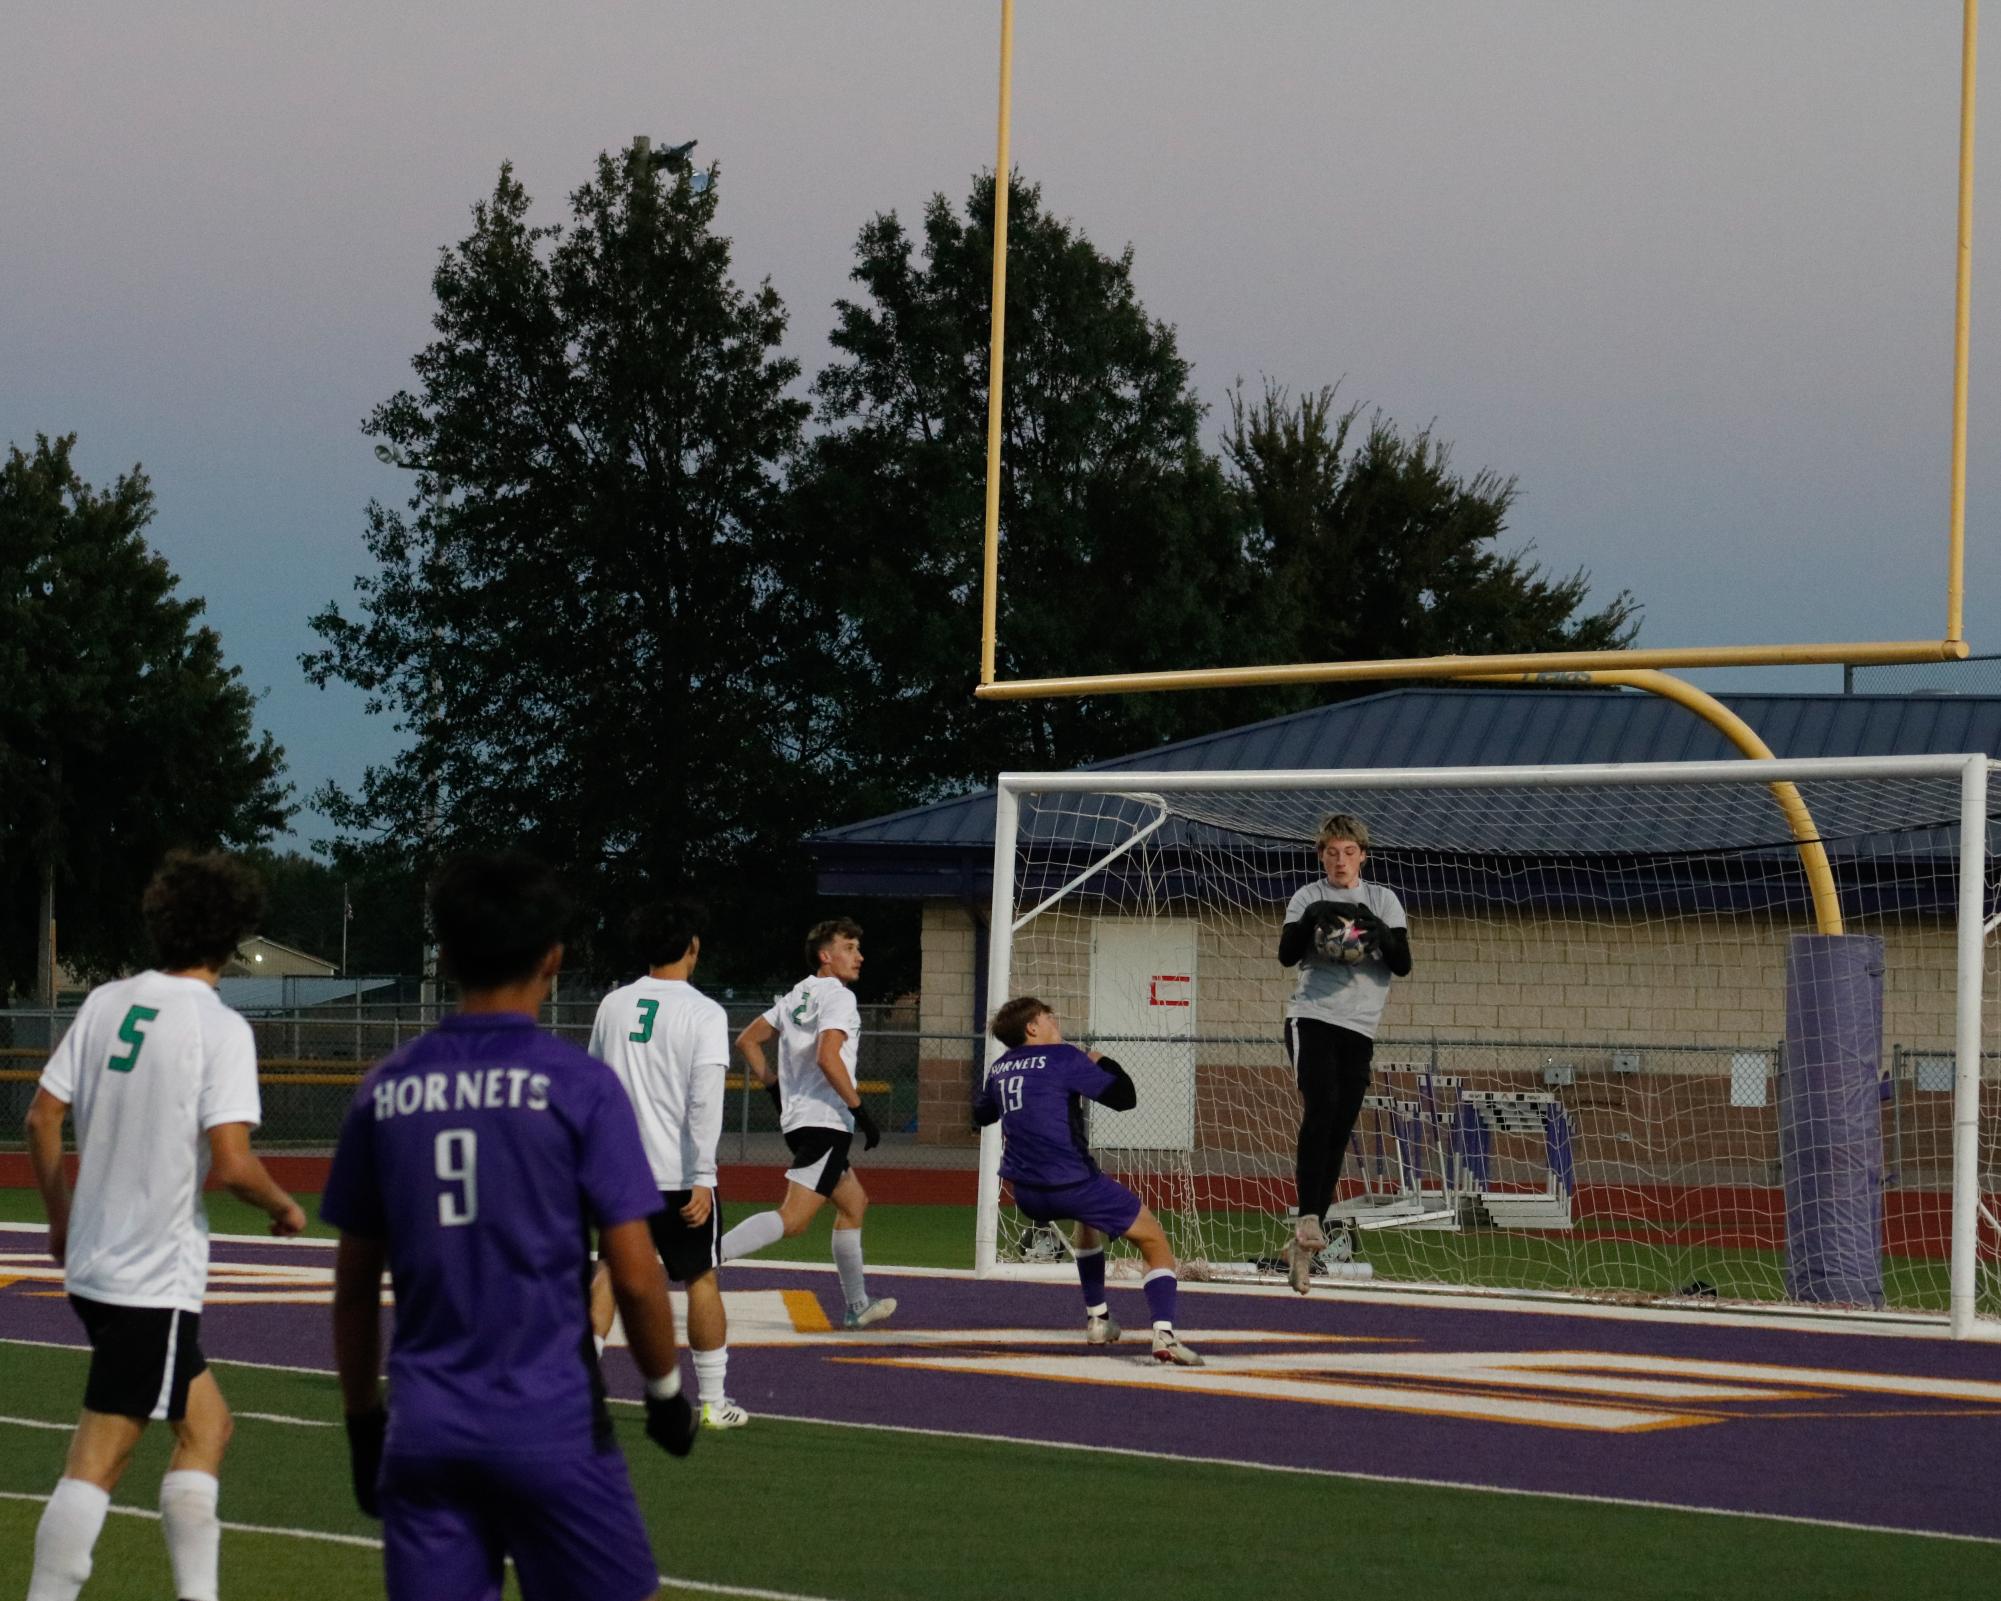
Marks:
<point>457,1151</point>
<point>133,1032</point>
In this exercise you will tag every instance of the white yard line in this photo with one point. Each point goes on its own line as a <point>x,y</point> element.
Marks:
<point>1228,1462</point>
<point>367,1542</point>
<point>1802,1320</point>
<point>324,1535</point>
<point>1376,1478</point>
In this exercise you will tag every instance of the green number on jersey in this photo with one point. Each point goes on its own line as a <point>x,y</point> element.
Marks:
<point>133,1032</point>
<point>644,1032</point>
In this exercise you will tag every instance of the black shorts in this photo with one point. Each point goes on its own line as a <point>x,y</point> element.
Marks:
<point>142,1359</point>
<point>687,1250</point>
<point>819,1157</point>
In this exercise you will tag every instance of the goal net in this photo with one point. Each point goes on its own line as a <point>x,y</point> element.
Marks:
<point>1674,1030</point>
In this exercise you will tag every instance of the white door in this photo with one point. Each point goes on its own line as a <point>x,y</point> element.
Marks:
<point>1143,1013</point>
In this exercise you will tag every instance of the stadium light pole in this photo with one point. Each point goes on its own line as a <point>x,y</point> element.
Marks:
<point>427,994</point>
<point>674,160</point>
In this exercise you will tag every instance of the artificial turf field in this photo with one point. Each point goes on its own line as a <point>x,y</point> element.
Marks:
<point>841,1509</point>
<point>806,1508</point>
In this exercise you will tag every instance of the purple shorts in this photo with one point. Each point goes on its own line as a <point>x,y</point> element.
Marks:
<point>1100,1203</point>
<point>571,1524</point>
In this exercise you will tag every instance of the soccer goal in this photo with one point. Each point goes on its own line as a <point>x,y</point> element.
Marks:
<point>1653,1045</point>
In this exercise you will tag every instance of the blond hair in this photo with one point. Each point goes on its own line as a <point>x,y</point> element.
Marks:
<point>1342,825</point>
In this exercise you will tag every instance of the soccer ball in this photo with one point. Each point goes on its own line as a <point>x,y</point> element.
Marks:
<point>1342,940</point>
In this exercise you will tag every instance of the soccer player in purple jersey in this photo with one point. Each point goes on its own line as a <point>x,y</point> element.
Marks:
<point>1036,1092</point>
<point>474,1163</point>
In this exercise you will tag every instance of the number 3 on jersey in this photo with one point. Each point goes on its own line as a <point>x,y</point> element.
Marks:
<point>457,1151</point>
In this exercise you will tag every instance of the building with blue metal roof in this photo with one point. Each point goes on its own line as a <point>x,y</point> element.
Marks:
<point>942,856</point>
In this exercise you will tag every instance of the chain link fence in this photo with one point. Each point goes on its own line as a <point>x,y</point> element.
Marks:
<point>310,1059</point>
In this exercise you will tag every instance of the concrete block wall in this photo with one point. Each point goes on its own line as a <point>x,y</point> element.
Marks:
<point>945,1065</point>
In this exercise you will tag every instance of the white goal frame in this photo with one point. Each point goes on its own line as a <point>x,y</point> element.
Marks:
<point>1970,770</point>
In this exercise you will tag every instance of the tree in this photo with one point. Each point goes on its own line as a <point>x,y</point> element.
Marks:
<point>123,732</point>
<point>1383,552</point>
<point>577,621</point>
<point>1123,548</point>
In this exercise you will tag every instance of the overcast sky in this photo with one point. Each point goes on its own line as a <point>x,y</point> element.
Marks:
<point>1684,268</point>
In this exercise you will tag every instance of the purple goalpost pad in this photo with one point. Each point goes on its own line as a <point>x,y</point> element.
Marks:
<point>1830,1119</point>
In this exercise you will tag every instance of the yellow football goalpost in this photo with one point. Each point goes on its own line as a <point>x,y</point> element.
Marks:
<point>1864,653</point>
<point>1640,668</point>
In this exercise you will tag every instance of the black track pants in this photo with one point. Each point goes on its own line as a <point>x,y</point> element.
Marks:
<point>1332,1067</point>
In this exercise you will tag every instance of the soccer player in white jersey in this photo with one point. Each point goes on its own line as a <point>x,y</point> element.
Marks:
<point>669,1044</point>
<point>161,1079</point>
<point>1348,938</point>
<point>818,1028</point>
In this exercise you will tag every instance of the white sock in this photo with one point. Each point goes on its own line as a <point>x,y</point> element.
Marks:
<point>711,1370</point>
<point>848,1263</point>
<point>1102,1309</point>
<point>598,1341</point>
<point>194,1537</point>
<point>752,1235</point>
<point>64,1539</point>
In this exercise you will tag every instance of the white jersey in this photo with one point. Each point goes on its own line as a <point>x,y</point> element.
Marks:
<point>1348,996</point>
<point>669,1045</point>
<point>813,1007</point>
<point>150,1065</point>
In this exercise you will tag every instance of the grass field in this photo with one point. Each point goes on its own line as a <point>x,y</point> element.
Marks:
<point>821,1510</point>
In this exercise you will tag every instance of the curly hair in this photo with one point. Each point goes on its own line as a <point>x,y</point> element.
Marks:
<point>200,907</point>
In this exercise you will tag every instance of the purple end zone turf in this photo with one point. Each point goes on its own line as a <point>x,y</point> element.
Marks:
<point>1830,1119</point>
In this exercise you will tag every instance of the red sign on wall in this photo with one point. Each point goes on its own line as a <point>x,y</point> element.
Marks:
<point>1154,996</point>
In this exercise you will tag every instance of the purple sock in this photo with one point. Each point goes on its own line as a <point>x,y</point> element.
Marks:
<point>1160,1286</point>
<point>1091,1276</point>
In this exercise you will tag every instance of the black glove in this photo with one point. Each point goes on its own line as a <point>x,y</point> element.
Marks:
<point>777,1099</point>
<point>865,1126</point>
<point>365,1431</point>
<point>670,1423</point>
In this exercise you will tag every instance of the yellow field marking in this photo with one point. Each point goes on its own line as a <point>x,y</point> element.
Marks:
<point>1236,1377</point>
<point>808,1316</point>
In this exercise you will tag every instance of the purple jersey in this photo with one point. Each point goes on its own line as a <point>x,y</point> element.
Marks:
<point>483,1154</point>
<point>1038,1093</point>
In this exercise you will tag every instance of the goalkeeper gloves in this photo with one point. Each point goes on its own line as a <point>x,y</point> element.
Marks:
<point>865,1126</point>
<point>365,1432</point>
<point>670,1421</point>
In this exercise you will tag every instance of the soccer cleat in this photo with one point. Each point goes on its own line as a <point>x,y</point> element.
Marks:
<point>1167,1347</point>
<point>1102,1330</point>
<point>723,1414</point>
<point>1307,1241</point>
<point>878,1310</point>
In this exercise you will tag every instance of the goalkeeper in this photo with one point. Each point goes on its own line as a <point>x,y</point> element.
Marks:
<point>1347,937</point>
